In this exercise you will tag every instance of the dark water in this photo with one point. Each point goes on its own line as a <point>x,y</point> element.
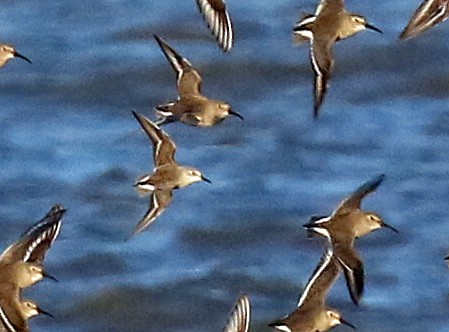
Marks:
<point>67,136</point>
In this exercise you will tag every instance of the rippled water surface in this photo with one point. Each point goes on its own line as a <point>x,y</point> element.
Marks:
<point>67,136</point>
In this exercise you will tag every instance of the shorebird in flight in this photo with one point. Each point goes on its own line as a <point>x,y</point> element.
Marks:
<point>191,107</point>
<point>347,223</point>
<point>217,18</point>
<point>167,174</point>
<point>330,23</point>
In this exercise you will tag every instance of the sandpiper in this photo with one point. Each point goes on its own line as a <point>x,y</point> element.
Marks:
<point>21,261</point>
<point>239,317</point>
<point>217,18</point>
<point>191,107</point>
<point>8,52</point>
<point>330,23</point>
<point>167,174</point>
<point>347,223</point>
<point>428,14</point>
<point>14,311</point>
<point>312,314</point>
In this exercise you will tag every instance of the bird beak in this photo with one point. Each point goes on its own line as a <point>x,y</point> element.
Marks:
<point>372,27</point>
<point>49,276</point>
<point>205,179</point>
<point>43,312</point>
<point>18,55</point>
<point>311,224</point>
<point>446,258</point>
<point>345,322</point>
<point>390,227</point>
<point>235,114</point>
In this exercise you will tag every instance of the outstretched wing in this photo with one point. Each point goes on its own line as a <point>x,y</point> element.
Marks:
<point>324,275</point>
<point>353,201</point>
<point>217,18</point>
<point>163,147</point>
<point>239,317</point>
<point>428,14</point>
<point>159,200</point>
<point>188,78</point>
<point>34,243</point>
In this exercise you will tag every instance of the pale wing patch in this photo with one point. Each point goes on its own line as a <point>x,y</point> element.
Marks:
<point>217,18</point>
<point>239,318</point>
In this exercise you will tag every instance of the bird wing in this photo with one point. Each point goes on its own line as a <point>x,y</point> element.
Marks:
<point>217,18</point>
<point>163,147</point>
<point>353,269</point>
<point>329,6</point>
<point>238,320</point>
<point>322,63</point>
<point>353,201</point>
<point>321,280</point>
<point>188,78</point>
<point>34,243</point>
<point>428,14</point>
<point>159,200</point>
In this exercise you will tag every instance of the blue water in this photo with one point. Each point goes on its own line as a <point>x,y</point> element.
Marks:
<point>67,136</point>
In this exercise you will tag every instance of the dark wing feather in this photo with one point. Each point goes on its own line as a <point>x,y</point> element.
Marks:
<point>353,270</point>
<point>428,14</point>
<point>238,320</point>
<point>321,280</point>
<point>159,200</point>
<point>353,201</point>
<point>217,18</point>
<point>188,78</point>
<point>35,242</point>
<point>163,147</point>
<point>322,63</point>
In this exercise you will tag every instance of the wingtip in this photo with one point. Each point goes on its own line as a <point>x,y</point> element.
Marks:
<point>55,209</point>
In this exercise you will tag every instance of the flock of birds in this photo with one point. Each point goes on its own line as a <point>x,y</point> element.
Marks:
<point>22,262</point>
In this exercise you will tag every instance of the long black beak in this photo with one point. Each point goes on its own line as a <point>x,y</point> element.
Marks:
<point>390,227</point>
<point>372,27</point>
<point>18,55</point>
<point>235,114</point>
<point>311,224</point>
<point>446,258</point>
<point>205,179</point>
<point>345,322</point>
<point>49,276</point>
<point>43,312</point>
